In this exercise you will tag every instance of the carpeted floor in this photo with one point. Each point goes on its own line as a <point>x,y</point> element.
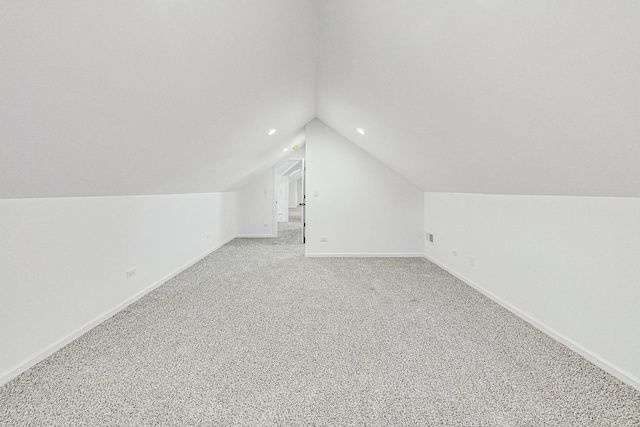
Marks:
<point>286,230</point>
<point>255,334</point>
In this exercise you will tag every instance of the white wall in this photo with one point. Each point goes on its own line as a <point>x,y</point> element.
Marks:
<point>283,198</point>
<point>64,261</point>
<point>257,197</point>
<point>293,194</point>
<point>569,265</point>
<point>299,190</point>
<point>256,207</point>
<point>363,207</point>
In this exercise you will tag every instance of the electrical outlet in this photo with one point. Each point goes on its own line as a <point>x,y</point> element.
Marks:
<point>265,225</point>
<point>208,236</point>
<point>454,252</point>
<point>472,261</point>
<point>316,193</point>
<point>429,237</point>
<point>131,273</point>
<point>323,238</point>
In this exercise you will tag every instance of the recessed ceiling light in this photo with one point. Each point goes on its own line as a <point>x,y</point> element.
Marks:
<point>285,150</point>
<point>271,132</point>
<point>360,131</point>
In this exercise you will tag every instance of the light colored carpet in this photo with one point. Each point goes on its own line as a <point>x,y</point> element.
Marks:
<point>285,229</point>
<point>255,334</point>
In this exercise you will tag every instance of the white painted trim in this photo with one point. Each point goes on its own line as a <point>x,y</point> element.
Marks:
<point>255,236</point>
<point>359,255</point>
<point>7,376</point>
<point>592,357</point>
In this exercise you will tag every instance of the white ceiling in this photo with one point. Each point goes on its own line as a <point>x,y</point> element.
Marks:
<point>488,96</point>
<point>138,97</point>
<point>289,167</point>
<point>133,97</point>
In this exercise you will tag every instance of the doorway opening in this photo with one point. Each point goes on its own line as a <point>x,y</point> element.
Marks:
<point>290,200</point>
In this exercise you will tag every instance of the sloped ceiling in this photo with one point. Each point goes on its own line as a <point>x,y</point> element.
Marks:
<point>491,96</point>
<point>149,97</point>
<point>154,97</point>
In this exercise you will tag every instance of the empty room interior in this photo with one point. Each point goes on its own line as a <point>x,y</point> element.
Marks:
<point>320,212</point>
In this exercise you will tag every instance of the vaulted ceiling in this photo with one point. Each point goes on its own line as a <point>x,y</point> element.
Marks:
<point>137,97</point>
<point>150,97</point>
<point>489,96</point>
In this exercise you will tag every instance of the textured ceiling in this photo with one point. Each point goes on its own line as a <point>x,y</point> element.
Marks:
<point>137,97</point>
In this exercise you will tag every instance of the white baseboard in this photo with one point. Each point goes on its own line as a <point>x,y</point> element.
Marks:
<point>361,255</point>
<point>255,236</point>
<point>592,357</point>
<point>7,376</point>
